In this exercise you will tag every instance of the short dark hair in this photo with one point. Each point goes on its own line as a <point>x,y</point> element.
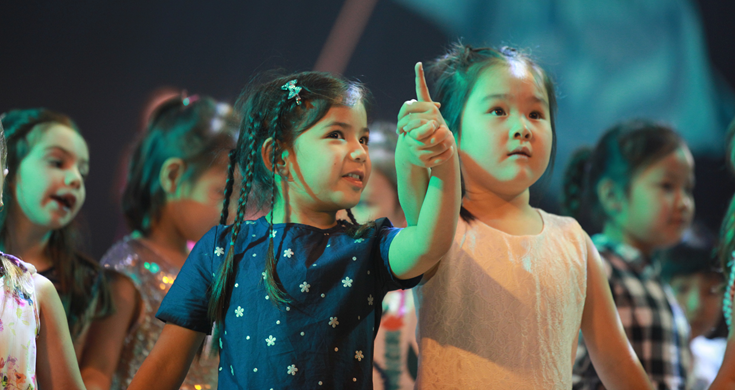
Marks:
<point>686,259</point>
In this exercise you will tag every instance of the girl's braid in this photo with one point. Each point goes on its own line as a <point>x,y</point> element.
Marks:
<point>273,285</point>
<point>228,186</point>
<point>222,288</point>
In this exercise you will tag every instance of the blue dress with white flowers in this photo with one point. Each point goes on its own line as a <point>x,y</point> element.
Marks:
<point>323,338</point>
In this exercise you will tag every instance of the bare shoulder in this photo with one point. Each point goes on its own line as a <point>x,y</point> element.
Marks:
<point>44,287</point>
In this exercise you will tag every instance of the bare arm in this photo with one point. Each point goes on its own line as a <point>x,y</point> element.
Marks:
<point>726,377</point>
<point>430,233</point>
<point>411,195</point>
<point>107,335</point>
<point>418,248</point>
<point>614,359</point>
<point>431,202</point>
<point>56,363</point>
<point>169,361</point>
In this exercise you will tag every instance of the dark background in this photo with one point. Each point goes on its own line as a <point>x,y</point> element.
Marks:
<point>99,61</point>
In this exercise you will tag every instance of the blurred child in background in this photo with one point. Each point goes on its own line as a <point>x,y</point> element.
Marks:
<point>726,252</point>
<point>48,163</point>
<point>691,271</point>
<point>173,195</point>
<point>637,182</point>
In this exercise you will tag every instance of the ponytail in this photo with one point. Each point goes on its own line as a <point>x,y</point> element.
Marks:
<point>575,183</point>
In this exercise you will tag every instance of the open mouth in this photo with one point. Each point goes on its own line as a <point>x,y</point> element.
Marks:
<point>356,178</point>
<point>65,201</point>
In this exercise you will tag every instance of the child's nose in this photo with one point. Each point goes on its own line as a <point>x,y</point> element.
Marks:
<point>359,153</point>
<point>519,128</point>
<point>73,178</point>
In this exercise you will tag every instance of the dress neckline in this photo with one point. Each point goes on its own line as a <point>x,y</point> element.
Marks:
<point>544,222</point>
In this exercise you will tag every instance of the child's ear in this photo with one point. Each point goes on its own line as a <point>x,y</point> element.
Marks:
<point>281,158</point>
<point>611,197</point>
<point>170,175</point>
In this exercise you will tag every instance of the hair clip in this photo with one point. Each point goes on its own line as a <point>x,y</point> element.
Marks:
<point>189,100</point>
<point>293,90</point>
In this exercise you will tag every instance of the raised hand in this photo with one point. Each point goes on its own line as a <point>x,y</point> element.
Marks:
<point>422,129</point>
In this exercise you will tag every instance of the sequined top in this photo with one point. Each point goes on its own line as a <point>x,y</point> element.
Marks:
<point>152,277</point>
<point>19,328</point>
<point>730,293</point>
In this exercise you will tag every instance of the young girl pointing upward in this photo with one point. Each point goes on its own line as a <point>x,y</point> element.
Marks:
<point>504,307</point>
<point>296,294</point>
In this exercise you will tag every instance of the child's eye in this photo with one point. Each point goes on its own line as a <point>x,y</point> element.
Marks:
<point>336,135</point>
<point>365,140</point>
<point>536,115</point>
<point>56,163</point>
<point>497,111</point>
<point>667,186</point>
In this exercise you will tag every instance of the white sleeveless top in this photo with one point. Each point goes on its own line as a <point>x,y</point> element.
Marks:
<point>503,311</point>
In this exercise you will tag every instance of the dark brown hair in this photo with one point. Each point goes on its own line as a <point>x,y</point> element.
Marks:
<point>621,153</point>
<point>79,278</point>
<point>456,74</point>
<point>267,112</point>
<point>726,246</point>
<point>195,129</point>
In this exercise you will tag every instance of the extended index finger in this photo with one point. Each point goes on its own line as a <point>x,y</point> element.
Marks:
<point>422,90</point>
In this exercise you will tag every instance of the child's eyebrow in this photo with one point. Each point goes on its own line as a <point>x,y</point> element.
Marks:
<point>340,124</point>
<point>346,126</point>
<point>536,99</point>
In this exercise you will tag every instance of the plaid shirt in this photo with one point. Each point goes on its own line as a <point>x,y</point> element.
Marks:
<point>653,321</point>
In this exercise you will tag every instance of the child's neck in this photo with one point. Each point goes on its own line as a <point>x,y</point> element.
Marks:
<point>28,241</point>
<point>511,214</point>
<point>297,213</point>
<point>167,242</point>
<point>617,234</point>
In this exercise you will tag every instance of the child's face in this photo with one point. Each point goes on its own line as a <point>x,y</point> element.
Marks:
<point>505,140</point>
<point>700,296</point>
<point>49,184</point>
<point>660,204</point>
<point>328,165</point>
<point>197,205</point>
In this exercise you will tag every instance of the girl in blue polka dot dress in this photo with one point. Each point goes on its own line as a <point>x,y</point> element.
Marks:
<point>295,296</point>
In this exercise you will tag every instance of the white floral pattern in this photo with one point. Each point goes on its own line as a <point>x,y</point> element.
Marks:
<point>219,251</point>
<point>347,282</point>
<point>239,311</point>
<point>292,370</point>
<point>270,341</point>
<point>359,356</point>
<point>288,253</point>
<point>370,299</point>
<point>333,322</point>
<point>304,287</point>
